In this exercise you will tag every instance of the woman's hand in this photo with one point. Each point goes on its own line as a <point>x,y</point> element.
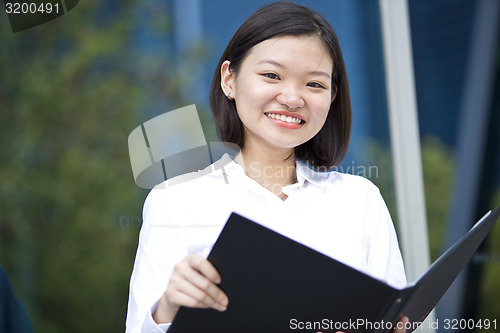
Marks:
<point>193,284</point>
<point>401,323</point>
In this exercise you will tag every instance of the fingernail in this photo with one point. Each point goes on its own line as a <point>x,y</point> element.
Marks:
<point>224,301</point>
<point>221,307</point>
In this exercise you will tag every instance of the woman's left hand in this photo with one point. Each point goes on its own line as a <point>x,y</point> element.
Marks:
<point>401,323</point>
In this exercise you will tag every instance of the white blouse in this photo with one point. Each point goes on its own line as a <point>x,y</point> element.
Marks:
<point>340,215</point>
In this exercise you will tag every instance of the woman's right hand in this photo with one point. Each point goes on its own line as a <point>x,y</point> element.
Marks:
<point>193,284</point>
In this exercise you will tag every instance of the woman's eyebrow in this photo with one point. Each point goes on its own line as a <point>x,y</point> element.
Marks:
<point>320,73</point>
<point>270,61</point>
<point>277,64</point>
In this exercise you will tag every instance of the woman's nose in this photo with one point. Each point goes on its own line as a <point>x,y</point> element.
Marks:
<point>291,98</point>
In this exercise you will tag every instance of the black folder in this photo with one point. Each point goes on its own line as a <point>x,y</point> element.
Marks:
<point>275,284</point>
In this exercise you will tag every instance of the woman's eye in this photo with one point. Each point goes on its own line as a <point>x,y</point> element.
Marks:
<point>315,85</point>
<point>271,76</point>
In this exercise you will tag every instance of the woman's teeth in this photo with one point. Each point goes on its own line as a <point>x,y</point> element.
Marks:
<point>287,119</point>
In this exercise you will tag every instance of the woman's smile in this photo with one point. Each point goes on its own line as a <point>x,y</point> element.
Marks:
<point>285,119</point>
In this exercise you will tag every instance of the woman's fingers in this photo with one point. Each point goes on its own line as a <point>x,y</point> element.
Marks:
<point>193,284</point>
<point>204,276</point>
<point>201,291</point>
<point>194,298</point>
<point>400,325</point>
<point>204,267</point>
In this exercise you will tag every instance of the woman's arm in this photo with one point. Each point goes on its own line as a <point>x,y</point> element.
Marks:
<point>165,274</point>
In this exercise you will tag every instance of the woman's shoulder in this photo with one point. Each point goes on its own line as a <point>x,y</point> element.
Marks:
<point>191,186</point>
<point>354,180</point>
<point>187,198</point>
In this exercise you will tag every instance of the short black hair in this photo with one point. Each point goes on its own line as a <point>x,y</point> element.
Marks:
<point>329,146</point>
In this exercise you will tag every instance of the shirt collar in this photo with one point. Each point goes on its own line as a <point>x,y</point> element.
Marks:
<point>305,173</point>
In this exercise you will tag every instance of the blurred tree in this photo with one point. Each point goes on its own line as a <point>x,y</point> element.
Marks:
<point>489,305</point>
<point>438,165</point>
<point>70,91</point>
<point>438,171</point>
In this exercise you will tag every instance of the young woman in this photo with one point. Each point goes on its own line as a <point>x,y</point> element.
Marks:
<point>280,92</point>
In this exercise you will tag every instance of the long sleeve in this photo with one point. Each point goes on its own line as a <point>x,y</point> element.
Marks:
<point>384,260</point>
<point>161,245</point>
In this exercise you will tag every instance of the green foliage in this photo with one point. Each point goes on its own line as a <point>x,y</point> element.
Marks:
<point>439,172</point>
<point>489,306</point>
<point>70,93</point>
<point>438,166</point>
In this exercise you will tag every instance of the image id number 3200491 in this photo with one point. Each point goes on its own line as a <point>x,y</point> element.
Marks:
<point>469,324</point>
<point>31,8</point>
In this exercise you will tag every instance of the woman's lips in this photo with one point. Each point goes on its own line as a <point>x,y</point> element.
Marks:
<point>285,119</point>
<point>290,117</point>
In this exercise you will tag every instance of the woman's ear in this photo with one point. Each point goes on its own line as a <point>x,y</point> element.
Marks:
<point>334,93</point>
<point>227,80</point>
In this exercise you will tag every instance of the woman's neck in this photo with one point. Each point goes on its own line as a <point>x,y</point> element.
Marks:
<point>272,169</point>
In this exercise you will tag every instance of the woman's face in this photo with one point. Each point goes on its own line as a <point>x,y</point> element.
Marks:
<point>282,91</point>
